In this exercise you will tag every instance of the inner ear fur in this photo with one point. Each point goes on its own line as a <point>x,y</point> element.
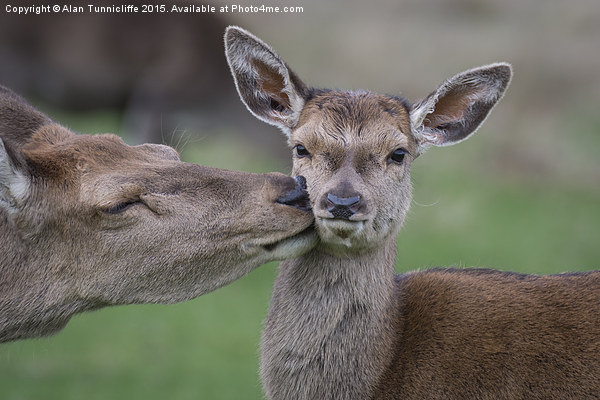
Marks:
<point>271,83</point>
<point>459,106</point>
<point>267,86</point>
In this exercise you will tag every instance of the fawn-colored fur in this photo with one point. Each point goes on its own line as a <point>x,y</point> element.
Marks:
<point>341,324</point>
<point>88,221</point>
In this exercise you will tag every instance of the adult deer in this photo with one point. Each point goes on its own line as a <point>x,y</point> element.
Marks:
<point>341,325</point>
<point>88,221</point>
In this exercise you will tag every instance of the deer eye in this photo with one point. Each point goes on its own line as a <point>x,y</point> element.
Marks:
<point>301,151</point>
<point>397,156</point>
<point>120,207</point>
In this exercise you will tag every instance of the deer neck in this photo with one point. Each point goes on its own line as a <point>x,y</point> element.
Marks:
<point>329,333</point>
<point>32,301</point>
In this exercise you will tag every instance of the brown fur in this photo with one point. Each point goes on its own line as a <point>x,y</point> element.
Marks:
<point>342,326</point>
<point>485,334</point>
<point>88,221</point>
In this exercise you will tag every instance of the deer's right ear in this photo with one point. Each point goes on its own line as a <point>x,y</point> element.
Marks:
<point>270,90</point>
<point>14,185</point>
<point>459,106</point>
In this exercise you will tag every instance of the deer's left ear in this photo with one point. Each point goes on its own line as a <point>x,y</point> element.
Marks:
<point>459,106</point>
<point>270,90</point>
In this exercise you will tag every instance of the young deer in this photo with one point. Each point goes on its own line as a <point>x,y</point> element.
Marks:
<point>88,221</point>
<point>341,325</point>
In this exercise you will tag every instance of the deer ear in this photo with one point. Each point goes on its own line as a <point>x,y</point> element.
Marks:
<point>459,106</point>
<point>270,90</point>
<point>14,185</point>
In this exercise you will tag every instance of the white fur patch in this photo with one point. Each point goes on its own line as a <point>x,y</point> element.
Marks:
<point>14,186</point>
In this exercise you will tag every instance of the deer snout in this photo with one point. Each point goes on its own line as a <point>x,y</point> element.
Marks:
<point>342,207</point>
<point>297,196</point>
<point>344,204</point>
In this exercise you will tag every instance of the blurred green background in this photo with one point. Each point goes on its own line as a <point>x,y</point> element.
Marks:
<point>523,194</point>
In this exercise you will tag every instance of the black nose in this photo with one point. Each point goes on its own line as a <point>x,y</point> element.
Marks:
<point>342,207</point>
<point>297,197</point>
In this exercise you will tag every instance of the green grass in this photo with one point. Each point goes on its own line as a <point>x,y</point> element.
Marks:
<point>466,219</point>
<point>203,349</point>
<point>208,348</point>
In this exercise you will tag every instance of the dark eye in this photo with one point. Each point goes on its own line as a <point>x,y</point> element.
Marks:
<point>120,207</point>
<point>301,151</point>
<point>397,156</point>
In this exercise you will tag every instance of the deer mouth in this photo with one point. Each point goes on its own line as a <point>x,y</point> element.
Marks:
<point>342,228</point>
<point>340,232</point>
<point>283,247</point>
<point>300,239</point>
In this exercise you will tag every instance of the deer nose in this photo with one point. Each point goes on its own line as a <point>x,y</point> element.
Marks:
<point>297,196</point>
<point>342,207</point>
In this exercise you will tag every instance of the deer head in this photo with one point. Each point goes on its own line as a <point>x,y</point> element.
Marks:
<point>88,221</point>
<point>355,148</point>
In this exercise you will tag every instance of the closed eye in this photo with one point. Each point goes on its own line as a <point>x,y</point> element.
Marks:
<point>120,207</point>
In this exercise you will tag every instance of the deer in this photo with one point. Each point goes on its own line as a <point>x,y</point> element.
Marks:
<point>341,324</point>
<point>87,221</point>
